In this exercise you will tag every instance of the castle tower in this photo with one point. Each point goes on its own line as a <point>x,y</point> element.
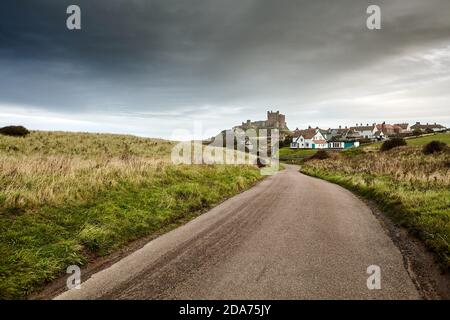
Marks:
<point>276,119</point>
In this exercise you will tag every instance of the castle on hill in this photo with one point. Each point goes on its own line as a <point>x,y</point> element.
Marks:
<point>274,120</point>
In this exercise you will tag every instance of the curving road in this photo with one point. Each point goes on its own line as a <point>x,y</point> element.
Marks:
<point>289,237</point>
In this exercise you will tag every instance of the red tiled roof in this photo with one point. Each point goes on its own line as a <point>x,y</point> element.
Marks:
<point>385,126</point>
<point>403,126</point>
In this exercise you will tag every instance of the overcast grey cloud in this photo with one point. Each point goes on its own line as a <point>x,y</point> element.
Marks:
<point>150,67</point>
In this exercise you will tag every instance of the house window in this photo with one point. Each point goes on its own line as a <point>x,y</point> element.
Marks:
<point>336,145</point>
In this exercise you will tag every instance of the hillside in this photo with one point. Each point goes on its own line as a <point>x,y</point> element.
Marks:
<point>420,141</point>
<point>66,198</point>
<point>416,141</point>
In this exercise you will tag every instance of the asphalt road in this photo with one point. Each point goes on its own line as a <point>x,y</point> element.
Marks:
<point>289,237</point>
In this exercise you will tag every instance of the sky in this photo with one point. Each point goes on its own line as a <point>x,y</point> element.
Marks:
<point>191,68</point>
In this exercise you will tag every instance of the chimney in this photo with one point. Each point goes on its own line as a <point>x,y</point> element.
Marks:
<point>309,127</point>
<point>417,122</point>
<point>345,127</point>
<point>340,127</point>
<point>367,124</point>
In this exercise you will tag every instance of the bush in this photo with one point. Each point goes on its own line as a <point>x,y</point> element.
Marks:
<point>320,155</point>
<point>393,143</point>
<point>15,131</point>
<point>434,147</point>
<point>417,132</point>
<point>286,142</point>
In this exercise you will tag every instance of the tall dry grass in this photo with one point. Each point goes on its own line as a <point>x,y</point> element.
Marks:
<point>406,164</point>
<point>65,197</point>
<point>54,168</point>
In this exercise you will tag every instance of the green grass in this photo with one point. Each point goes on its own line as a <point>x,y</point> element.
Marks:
<point>411,188</point>
<point>295,155</point>
<point>413,141</point>
<point>66,198</point>
<point>444,137</point>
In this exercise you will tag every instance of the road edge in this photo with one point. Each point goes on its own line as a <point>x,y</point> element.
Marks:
<point>98,263</point>
<point>420,263</point>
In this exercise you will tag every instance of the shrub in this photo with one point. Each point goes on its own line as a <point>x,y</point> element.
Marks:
<point>417,132</point>
<point>15,131</point>
<point>434,147</point>
<point>320,155</point>
<point>392,143</point>
<point>286,142</point>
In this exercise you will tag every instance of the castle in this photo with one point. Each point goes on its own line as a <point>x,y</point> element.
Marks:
<point>274,120</point>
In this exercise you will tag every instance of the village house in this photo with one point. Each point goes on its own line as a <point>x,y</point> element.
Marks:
<point>430,127</point>
<point>402,128</point>
<point>343,144</point>
<point>380,135</point>
<point>386,129</point>
<point>367,131</point>
<point>308,139</point>
<point>321,139</point>
<point>343,134</point>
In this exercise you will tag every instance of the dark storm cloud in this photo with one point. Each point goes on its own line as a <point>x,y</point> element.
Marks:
<point>152,57</point>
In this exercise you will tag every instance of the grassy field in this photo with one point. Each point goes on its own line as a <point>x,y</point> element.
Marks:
<point>410,187</point>
<point>68,197</point>
<point>294,155</point>
<point>444,137</point>
<point>413,141</point>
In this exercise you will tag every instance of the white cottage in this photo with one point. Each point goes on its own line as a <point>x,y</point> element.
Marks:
<point>309,139</point>
<point>367,132</point>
